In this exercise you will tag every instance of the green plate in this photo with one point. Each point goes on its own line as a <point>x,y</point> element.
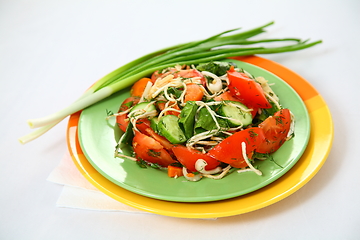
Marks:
<point>98,138</point>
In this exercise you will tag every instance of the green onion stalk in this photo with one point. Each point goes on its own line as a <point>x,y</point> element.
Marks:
<point>220,46</point>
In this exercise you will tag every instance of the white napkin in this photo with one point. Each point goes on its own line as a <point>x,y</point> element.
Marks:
<point>79,193</point>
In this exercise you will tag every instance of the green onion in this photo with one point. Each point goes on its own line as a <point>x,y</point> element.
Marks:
<point>224,45</point>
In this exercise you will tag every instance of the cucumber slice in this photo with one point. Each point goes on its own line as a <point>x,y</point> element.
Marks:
<point>237,115</point>
<point>142,105</point>
<point>168,127</point>
<point>154,124</point>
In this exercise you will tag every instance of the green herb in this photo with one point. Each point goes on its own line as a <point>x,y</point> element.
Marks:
<point>292,135</point>
<point>205,120</point>
<point>279,120</point>
<point>187,118</point>
<point>153,153</point>
<point>266,156</point>
<point>220,46</point>
<point>154,165</point>
<point>253,134</point>
<point>273,160</point>
<point>129,104</point>
<point>109,113</point>
<point>215,67</point>
<point>174,91</point>
<point>141,163</point>
<point>176,164</point>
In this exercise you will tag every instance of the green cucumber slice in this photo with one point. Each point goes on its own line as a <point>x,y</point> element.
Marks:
<point>168,127</point>
<point>237,116</point>
<point>143,105</point>
<point>154,124</point>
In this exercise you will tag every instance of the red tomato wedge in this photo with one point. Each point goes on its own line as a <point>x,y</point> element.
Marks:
<point>276,129</point>
<point>122,120</point>
<point>247,90</point>
<point>188,157</point>
<point>150,150</point>
<point>230,150</point>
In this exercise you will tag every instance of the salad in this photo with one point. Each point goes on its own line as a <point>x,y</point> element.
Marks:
<point>203,120</point>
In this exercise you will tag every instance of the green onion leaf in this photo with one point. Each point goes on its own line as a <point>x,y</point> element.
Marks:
<point>217,47</point>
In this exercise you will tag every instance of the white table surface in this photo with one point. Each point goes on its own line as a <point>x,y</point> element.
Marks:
<point>51,51</point>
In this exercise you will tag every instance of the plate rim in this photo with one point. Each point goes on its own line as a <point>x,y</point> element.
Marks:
<point>79,160</point>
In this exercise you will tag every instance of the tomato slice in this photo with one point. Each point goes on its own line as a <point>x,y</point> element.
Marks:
<point>276,129</point>
<point>226,96</point>
<point>122,120</point>
<point>143,125</point>
<point>192,73</point>
<point>185,73</point>
<point>161,106</point>
<point>247,90</point>
<point>230,149</point>
<point>188,158</point>
<point>150,150</point>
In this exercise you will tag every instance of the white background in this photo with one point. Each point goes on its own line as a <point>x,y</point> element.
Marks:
<point>51,51</point>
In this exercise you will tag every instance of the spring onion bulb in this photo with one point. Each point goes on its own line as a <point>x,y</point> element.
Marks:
<point>200,165</point>
<point>190,176</point>
<point>224,45</point>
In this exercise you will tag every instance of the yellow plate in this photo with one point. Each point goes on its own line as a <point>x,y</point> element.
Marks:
<point>315,155</point>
